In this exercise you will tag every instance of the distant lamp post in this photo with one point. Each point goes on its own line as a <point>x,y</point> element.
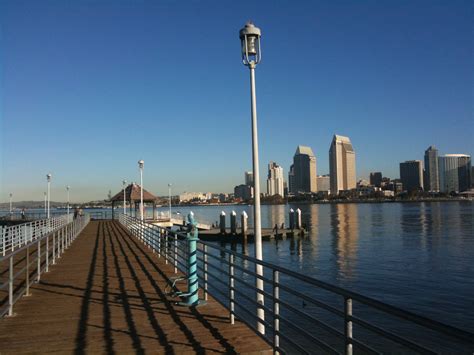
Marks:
<point>45,203</point>
<point>124,183</point>
<point>11,199</point>
<point>169,196</point>
<point>141,163</point>
<point>48,178</point>
<point>67,189</point>
<point>251,56</point>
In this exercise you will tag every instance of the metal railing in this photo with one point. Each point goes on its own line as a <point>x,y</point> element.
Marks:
<point>29,215</point>
<point>29,261</point>
<point>302,314</point>
<point>16,236</point>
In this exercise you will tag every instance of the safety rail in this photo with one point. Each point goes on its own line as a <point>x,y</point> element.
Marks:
<point>303,314</point>
<point>29,215</point>
<point>15,268</point>
<point>16,236</point>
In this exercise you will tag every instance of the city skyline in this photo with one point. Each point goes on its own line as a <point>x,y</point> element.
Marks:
<point>85,94</point>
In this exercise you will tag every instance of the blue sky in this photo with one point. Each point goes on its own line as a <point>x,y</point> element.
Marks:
<point>87,88</point>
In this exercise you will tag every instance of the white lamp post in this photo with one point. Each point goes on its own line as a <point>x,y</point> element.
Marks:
<point>45,203</point>
<point>251,56</point>
<point>67,189</point>
<point>48,178</point>
<point>141,163</point>
<point>11,196</point>
<point>169,196</point>
<point>124,183</point>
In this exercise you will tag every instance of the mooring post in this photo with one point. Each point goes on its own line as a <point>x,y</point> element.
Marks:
<point>292,219</point>
<point>222,222</point>
<point>244,223</point>
<point>298,219</point>
<point>233,223</point>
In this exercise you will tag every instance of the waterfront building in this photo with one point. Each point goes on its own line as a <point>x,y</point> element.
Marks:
<point>376,179</point>
<point>191,196</point>
<point>323,183</point>
<point>275,180</point>
<point>291,179</point>
<point>304,170</point>
<point>411,175</point>
<point>342,168</point>
<point>431,174</point>
<point>244,191</point>
<point>249,178</point>
<point>454,173</point>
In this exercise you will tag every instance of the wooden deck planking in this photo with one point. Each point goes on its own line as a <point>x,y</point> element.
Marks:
<point>106,294</point>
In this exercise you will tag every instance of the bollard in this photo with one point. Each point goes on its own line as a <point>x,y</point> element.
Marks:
<point>298,219</point>
<point>222,222</point>
<point>191,297</point>
<point>292,219</point>
<point>233,223</point>
<point>244,222</point>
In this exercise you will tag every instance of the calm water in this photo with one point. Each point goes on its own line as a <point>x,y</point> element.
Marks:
<point>419,256</point>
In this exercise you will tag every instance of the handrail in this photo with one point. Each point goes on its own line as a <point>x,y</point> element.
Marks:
<point>220,263</point>
<point>60,233</point>
<point>15,236</point>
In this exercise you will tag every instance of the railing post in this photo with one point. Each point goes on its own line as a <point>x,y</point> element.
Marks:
<point>27,278</point>
<point>205,273</point>
<point>276,311</point>
<point>10,288</point>
<point>348,325</point>
<point>39,261</point>
<point>47,253</point>
<point>166,247</point>
<point>54,248</point>
<point>231,288</point>
<point>4,239</point>
<point>159,243</point>
<point>175,254</point>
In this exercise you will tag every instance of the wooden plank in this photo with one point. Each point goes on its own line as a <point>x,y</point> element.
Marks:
<point>106,294</point>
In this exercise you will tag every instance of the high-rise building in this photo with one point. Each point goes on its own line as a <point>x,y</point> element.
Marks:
<point>411,175</point>
<point>324,184</point>
<point>342,168</point>
<point>291,179</point>
<point>431,175</point>
<point>275,180</point>
<point>245,192</point>
<point>454,172</point>
<point>249,178</point>
<point>304,170</point>
<point>376,179</point>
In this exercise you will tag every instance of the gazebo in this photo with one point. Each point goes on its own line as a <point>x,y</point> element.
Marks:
<point>132,196</point>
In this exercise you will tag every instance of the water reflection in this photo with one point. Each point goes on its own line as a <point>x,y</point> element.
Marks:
<point>345,233</point>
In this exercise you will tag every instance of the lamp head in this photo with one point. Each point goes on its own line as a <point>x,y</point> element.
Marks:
<point>48,177</point>
<point>124,182</point>
<point>250,44</point>
<point>141,163</point>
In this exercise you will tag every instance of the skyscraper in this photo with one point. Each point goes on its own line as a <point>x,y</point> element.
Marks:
<point>454,172</point>
<point>324,184</point>
<point>376,179</point>
<point>304,170</point>
<point>431,176</point>
<point>342,169</point>
<point>275,180</point>
<point>249,178</point>
<point>291,180</point>
<point>411,174</point>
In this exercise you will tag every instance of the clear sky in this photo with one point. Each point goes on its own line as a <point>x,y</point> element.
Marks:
<point>87,88</point>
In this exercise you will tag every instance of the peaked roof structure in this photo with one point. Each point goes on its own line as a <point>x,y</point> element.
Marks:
<point>346,142</point>
<point>304,150</point>
<point>132,193</point>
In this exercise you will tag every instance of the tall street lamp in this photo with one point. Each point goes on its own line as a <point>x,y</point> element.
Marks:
<point>11,197</point>
<point>169,196</point>
<point>45,203</point>
<point>67,189</point>
<point>251,56</point>
<point>140,165</point>
<point>48,178</point>
<point>124,183</point>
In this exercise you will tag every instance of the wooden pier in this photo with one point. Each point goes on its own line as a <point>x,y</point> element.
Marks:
<point>107,295</point>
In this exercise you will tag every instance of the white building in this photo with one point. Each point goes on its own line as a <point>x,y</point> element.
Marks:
<point>342,168</point>
<point>454,172</point>
<point>323,183</point>
<point>275,180</point>
<point>189,196</point>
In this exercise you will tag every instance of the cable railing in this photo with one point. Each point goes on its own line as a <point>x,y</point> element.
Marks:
<point>27,262</point>
<point>301,313</point>
<point>16,236</point>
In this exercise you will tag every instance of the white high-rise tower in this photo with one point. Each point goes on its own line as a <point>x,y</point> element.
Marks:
<point>275,180</point>
<point>342,168</point>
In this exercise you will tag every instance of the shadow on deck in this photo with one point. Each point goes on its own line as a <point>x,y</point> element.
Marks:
<point>106,294</point>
